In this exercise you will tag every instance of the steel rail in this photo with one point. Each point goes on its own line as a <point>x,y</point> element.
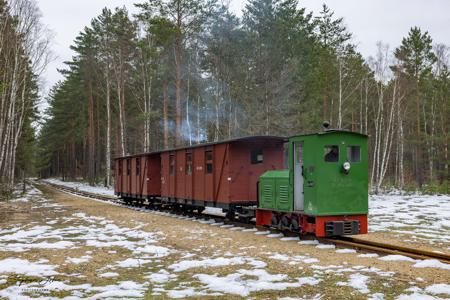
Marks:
<point>347,241</point>
<point>388,248</point>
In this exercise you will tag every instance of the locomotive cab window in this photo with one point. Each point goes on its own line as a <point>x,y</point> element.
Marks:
<point>209,162</point>
<point>331,153</point>
<point>354,154</point>
<point>171,164</point>
<point>256,156</point>
<point>188,168</point>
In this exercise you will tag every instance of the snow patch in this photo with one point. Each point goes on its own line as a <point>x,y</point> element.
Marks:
<point>437,289</point>
<point>275,235</point>
<point>368,255</point>
<point>101,190</point>
<point>346,251</point>
<point>285,239</point>
<point>132,262</point>
<point>205,263</point>
<point>325,246</point>
<point>357,281</point>
<point>432,263</point>
<point>278,256</point>
<point>79,260</point>
<point>25,267</point>
<point>309,242</point>
<point>396,257</point>
<point>235,284</point>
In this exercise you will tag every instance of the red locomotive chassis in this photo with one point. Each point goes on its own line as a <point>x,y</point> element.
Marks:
<point>221,174</point>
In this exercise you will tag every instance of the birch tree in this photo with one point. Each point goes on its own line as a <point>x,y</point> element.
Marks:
<point>24,54</point>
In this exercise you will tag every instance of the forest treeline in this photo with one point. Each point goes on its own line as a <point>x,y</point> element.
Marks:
<point>24,53</point>
<point>181,72</point>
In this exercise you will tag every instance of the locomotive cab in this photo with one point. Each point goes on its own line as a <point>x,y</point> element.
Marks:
<point>324,191</point>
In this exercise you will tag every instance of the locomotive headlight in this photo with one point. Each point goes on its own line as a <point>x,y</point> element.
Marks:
<point>346,166</point>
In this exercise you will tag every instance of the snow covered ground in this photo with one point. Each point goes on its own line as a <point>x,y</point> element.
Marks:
<point>424,217</point>
<point>77,255</point>
<point>101,190</point>
<point>156,264</point>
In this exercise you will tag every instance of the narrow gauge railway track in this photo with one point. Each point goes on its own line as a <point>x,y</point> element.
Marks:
<point>345,241</point>
<point>373,246</point>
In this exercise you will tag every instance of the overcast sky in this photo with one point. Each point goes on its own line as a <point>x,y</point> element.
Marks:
<point>369,21</point>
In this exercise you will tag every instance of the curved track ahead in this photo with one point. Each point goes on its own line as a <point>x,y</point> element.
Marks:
<point>347,241</point>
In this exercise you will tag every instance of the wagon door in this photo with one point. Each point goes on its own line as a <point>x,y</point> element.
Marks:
<point>172,174</point>
<point>188,174</point>
<point>119,175</point>
<point>209,175</point>
<point>128,177</point>
<point>298,176</point>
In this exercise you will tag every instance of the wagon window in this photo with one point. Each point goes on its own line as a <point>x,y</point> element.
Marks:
<point>331,153</point>
<point>256,156</point>
<point>138,166</point>
<point>188,163</point>
<point>354,154</point>
<point>209,162</point>
<point>172,164</point>
<point>128,167</point>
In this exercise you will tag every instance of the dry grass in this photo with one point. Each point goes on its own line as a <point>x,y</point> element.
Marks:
<point>203,241</point>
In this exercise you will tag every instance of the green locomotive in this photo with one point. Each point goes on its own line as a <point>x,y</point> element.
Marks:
<point>324,190</point>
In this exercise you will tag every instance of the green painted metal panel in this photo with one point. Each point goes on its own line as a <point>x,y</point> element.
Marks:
<point>282,197</point>
<point>327,189</point>
<point>342,193</point>
<point>274,190</point>
<point>267,191</point>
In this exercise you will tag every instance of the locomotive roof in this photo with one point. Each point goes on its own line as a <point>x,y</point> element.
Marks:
<point>240,139</point>
<point>327,131</point>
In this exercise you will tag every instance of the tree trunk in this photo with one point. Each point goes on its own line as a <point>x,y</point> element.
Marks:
<point>178,66</point>
<point>108,131</point>
<point>188,123</point>
<point>419,171</point>
<point>166,115</point>
<point>91,135</point>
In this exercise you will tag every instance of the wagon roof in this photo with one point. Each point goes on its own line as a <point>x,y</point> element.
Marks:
<point>240,139</point>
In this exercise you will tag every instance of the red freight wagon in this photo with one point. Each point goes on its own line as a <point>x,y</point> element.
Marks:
<point>122,171</point>
<point>222,174</point>
<point>138,176</point>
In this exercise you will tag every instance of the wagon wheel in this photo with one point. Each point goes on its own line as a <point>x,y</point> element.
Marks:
<point>244,219</point>
<point>231,215</point>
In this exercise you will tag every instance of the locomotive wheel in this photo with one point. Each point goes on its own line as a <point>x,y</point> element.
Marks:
<point>285,221</point>
<point>294,225</point>
<point>274,221</point>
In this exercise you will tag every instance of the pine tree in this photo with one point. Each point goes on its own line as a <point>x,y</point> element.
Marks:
<point>416,60</point>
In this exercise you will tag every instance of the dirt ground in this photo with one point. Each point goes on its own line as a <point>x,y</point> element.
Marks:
<point>330,275</point>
